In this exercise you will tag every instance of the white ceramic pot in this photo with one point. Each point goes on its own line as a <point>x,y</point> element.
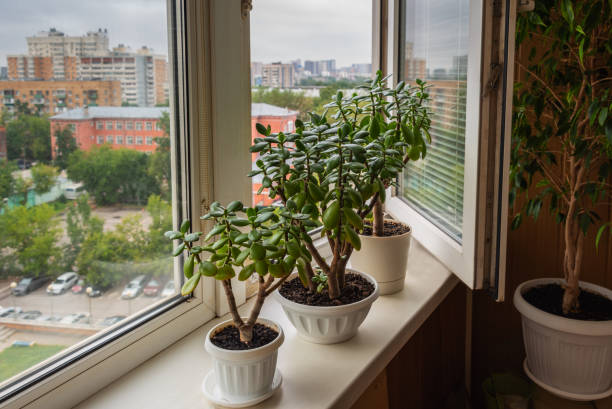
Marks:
<point>573,357</point>
<point>328,325</point>
<point>385,259</point>
<point>244,375</point>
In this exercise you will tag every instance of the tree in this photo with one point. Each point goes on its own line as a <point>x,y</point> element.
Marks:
<point>28,137</point>
<point>113,176</point>
<point>160,212</point>
<point>159,162</point>
<point>285,98</point>
<point>43,177</point>
<point>80,224</point>
<point>65,144</point>
<point>7,181</point>
<point>29,240</point>
<point>562,125</point>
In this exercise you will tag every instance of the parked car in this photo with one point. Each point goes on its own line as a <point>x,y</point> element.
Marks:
<point>168,289</point>
<point>76,318</point>
<point>98,290</point>
<point>30,315</point>
<point>108,321</point>
<point>10,312</point>
<point>47,318</point>
<point>62,283</point>
<point>152,288</point>
<point>23,164</point>
<point>28,284</point>
<point>79,287</point>
<point>134,287</point>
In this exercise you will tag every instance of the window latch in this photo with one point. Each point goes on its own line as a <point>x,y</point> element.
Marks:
<point>496,70</point>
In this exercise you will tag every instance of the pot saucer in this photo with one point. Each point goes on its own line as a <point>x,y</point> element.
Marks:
<point>563,394</point>
<point>213,394</point>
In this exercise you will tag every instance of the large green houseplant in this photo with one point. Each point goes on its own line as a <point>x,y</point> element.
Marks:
<point>561,161</point>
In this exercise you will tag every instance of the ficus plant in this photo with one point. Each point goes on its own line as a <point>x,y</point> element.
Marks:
<point>562,123</point>
<point>243,241</point>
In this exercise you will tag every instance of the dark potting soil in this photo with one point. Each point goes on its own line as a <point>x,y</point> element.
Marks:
<point>549,298</point>
<point>229,338</point>
<point>356,288</point>
<point>391,228</point>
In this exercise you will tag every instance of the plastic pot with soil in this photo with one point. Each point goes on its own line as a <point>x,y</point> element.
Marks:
<point>243,374</point>
<point>569,355</point>
<point>384,256</point>
<point>321,319</point>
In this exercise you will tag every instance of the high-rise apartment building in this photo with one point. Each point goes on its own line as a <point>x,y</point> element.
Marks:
<point>53,97</point>
<point>320,67</point>
<point>278,75</point>
<point>3,73</point>
<point>54,56</point>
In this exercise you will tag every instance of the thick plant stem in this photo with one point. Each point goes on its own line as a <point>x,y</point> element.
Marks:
<point>572,260</point>
<point>246,333</point>
<point>378,225</point>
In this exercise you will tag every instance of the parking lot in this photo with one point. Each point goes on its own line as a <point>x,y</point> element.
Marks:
<point>107,305</point>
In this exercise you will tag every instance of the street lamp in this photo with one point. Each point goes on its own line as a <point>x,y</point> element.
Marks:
<point>89,290</point>
<point>13,285</point>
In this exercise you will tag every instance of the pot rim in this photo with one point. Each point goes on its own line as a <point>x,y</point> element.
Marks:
<point>399,236</point>
<point>336,309</point>
<point>245,354</point>
<point>569,325</point>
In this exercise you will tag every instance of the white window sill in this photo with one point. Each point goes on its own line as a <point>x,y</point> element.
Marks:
<point>314,376</point>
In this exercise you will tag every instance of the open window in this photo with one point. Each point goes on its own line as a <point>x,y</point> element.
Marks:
<point>456,198</point>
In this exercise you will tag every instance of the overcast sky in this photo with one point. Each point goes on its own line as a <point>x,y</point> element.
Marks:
<point>280,29</point>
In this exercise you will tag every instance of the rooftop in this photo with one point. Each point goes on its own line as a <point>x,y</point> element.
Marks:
<point>257,109</point>
<point>261,109</point>
<point>112,112</point>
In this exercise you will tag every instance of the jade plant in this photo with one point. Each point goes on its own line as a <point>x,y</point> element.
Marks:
<point>331,172</point>
<point>246,241</point>
<point>336,167</point>
<point>562,126</point>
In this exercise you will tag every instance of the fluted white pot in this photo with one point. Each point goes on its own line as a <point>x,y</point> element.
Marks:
<point>247,374</point>
<point>572,357</point>
<point>385,259</point>
<point>328,325</point>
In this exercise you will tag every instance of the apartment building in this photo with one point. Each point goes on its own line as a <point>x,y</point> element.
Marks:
<point>120,127</point>
<point>54,56</point>
<point>53,97</point>
<point>278,75</point>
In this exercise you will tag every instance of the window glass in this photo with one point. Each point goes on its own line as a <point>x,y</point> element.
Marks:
<point>139,140</point>
<point>81,244</point>
<point>435,48</point>
<point>298,72</point>
<point>139,126</point>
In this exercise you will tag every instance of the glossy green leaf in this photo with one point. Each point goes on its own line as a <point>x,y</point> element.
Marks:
<point>190,284</point>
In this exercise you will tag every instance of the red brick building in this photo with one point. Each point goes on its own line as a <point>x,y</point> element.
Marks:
<point>280,120</point>
<point>120,127</point>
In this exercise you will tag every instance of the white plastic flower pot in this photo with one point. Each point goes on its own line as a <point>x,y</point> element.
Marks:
<point>244,376</point>
<point>385,259</point>
<point>328,325</point>
<point>571,358</point>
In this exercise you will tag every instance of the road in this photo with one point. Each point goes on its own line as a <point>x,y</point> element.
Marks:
<point>107,305</point>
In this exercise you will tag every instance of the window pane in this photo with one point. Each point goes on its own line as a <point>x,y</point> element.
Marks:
<point>435,48</point>
<point>82,209</point>
<point>298,72</point>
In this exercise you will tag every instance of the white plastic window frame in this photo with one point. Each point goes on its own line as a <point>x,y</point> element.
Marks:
<point>210,36</point>
<point>474,261</point>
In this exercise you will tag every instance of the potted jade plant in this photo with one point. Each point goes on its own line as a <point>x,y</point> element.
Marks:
<point>561,161</point>
<point>398,114</point>
<point>244,349</point>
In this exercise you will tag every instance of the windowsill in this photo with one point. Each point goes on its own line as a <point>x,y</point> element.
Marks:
<point>314,376</point>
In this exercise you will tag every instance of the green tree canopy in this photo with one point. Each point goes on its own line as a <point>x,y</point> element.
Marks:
<point>7,181</point>
<point>29,240</point>
<point>28,137</point>
<point>43,177</point>
<point>113,176</point>
<point>65,144</point>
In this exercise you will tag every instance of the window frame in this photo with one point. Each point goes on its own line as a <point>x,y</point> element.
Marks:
<point>479,261</point>
<point>205,112</point>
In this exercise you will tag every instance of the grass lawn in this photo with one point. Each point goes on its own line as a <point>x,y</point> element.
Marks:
<point>16,359</point>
